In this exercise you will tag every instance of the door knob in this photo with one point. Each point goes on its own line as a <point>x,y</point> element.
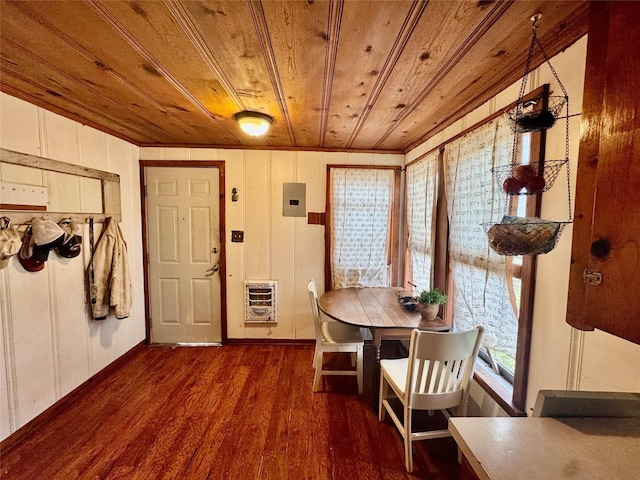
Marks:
<point>214,250</point>
<point>600,248</point>
<point>212,270</point>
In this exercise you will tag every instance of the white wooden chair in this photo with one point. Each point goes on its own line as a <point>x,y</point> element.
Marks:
<point>435,376</point>
<point>333,336</point>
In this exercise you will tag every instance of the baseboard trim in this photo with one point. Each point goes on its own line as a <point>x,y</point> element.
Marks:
<point>270,341</point>
<point>16,437</point>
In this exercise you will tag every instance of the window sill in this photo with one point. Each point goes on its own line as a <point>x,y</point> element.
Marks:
<point>496,388</point>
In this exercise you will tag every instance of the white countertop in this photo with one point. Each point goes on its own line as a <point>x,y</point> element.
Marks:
<point>503,448</point>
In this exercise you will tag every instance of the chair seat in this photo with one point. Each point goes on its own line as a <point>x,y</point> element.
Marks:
<point>396,370</point>
<point>336,332</point>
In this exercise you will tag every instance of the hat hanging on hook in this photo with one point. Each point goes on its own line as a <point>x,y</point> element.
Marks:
<point>9,241</point>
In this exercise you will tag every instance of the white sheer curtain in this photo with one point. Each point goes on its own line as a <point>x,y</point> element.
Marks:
<point>481,295</point>
<point>422,183</point>
<point>361,200</point>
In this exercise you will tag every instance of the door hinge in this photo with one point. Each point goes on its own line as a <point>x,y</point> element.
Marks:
<point>592,277</point>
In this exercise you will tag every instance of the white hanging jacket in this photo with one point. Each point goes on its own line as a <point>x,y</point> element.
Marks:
<point>109,277</point>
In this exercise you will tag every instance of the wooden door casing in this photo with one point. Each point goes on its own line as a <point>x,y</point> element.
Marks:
<point>209,311</point>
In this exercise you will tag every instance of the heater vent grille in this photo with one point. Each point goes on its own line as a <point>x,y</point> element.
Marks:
<point>260,301</point>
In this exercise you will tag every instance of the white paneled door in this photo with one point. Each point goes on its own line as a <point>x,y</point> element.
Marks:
<point>183,235</point>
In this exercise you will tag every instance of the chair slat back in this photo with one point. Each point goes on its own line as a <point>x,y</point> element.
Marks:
<point>441,368</point>
<point>313,300</point>
<point>320,320</point>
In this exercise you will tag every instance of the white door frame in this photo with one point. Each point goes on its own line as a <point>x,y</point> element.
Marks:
<point>145,241</point>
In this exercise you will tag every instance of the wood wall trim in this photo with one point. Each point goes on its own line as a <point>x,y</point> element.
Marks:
<point>528,273</point>
<point>271,341</point>
<point>110,186</point>
<point>32,208</point>
<point>61,405</point>
<point>316,218</point>
<point>34,161</point>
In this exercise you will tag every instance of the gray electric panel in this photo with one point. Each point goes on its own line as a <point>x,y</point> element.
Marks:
<point>294,203</point>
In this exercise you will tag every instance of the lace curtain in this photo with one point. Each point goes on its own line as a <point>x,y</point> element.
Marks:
<point>361,202</point>
<point>421,182</point>
<point>481,295</point>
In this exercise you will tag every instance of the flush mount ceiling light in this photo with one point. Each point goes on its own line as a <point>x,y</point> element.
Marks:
<point>253,123</point>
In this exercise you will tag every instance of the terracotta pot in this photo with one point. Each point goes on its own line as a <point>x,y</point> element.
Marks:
<point>429,311</point>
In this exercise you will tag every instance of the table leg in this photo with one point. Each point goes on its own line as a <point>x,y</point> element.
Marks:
<point>377,342</point>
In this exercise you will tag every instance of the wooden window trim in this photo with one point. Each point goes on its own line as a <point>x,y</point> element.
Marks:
<point>487,379</point>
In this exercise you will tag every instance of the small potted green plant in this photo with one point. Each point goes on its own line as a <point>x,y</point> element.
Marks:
<point>429,302</point>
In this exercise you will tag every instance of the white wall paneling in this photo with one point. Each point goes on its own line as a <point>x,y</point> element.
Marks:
<point>286,249</point>
<point>49,343</point>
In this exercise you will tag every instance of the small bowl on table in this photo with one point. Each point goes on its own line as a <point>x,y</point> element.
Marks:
<point>406,299</point>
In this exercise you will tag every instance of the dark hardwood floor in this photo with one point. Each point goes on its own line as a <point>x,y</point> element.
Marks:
<point>233,412</point>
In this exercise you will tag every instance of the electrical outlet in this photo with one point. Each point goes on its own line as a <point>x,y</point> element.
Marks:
<point>237,236</point>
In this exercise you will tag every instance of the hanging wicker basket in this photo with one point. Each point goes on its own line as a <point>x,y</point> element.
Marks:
<point>527,118</point>
<point>529,179</point>
<point>524,235</point>
<point>530,235</point>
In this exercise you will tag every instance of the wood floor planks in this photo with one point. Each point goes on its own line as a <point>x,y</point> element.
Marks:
<point>233,412</point>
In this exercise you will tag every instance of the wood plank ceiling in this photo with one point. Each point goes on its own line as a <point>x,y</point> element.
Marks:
<point>335,75</point>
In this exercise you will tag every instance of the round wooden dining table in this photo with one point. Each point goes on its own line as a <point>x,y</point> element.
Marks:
<point>378,310</point>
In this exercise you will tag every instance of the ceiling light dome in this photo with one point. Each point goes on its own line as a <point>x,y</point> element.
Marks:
<point>253,123</point>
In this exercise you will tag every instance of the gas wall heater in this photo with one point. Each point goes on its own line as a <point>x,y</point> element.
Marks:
<point>260,301</point>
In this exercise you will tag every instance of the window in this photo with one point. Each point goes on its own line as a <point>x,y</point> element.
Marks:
<point>361,226</point>
<point>480,287</point>
<point>421,186</point>
<point>484,288</point>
